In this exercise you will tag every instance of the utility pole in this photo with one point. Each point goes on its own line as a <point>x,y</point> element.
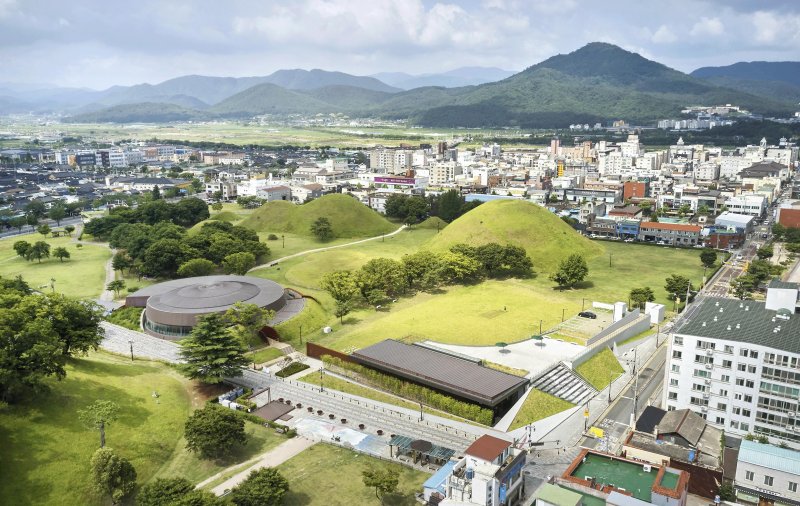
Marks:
<point>131,344</point>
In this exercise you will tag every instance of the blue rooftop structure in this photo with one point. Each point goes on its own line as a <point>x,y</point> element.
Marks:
<point>436,482</point>
<point>769,456</point>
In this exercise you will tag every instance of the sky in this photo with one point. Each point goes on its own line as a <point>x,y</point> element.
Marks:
<point>100,43</point>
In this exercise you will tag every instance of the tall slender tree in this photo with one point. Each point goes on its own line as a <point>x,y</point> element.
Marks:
<point>211,351</point>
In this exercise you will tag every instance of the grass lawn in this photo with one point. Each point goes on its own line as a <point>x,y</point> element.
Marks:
<point>600,369</point>
<point>47,450</point>
<point>505,368</point>
<point>331,476</point>
<point>537,406</point>
<point>350,387</point>
<point>264,355</point>
<point>82,276</point>
<point>186,464</point>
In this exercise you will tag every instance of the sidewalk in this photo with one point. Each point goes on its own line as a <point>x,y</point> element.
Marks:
<point>272,458</point>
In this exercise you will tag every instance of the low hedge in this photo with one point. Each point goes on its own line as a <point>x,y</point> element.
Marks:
<point>293,368</point>
<point>410,391</point>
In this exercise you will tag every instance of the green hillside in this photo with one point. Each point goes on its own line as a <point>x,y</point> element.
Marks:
<point>270,99</point>
<point>348,217</point>
<point>544,235</point>
<point>146,112</point>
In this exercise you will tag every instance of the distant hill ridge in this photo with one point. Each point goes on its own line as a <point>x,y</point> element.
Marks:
<point>596,83</point>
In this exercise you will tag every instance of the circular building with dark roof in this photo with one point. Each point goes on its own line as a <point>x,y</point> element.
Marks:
<point>173,307</point>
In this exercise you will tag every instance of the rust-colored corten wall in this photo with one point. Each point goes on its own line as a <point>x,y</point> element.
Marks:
<point>317,351</point>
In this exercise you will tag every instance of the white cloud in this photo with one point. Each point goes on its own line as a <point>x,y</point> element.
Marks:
<point>663,35</point>
<point>707,26</point>
<point>7,7</point>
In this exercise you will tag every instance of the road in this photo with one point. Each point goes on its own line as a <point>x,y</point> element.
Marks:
<point>617,419</point>
<point>719,286</point>
<point>27,229</point>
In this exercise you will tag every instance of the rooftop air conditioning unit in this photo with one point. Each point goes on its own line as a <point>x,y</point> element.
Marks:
<point>646,468</point>
<point>709,365</point>
<point>708,382</point>
<point>704,409</point>
<point>709,351</point>
<point>705,396</point>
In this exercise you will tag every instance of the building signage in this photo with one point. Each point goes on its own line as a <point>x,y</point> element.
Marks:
<point>395,180</point>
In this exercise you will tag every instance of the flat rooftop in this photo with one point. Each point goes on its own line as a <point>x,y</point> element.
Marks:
<point>440,371</point>
<point>619,473</point>
<point>743,321</point>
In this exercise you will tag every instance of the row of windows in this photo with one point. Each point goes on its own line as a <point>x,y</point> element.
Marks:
<point>769,480</point>
<point>777,405</point>
<point>782,360</point>
<point>780,390</point>
<point>781,375</point>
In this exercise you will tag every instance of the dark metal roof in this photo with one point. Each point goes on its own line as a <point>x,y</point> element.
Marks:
<point>684,422</point>
<point>777,283</point>
<point>743,321</point>
<point>649,419</point>
<point>406,443</point>
<point>440,371</point>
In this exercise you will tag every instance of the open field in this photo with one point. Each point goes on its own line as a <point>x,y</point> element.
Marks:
<point>331,476</point>
<point>242,133</point>
<point>47,450</point>
<point>264,355</point>
<point>472,314</point>
<point>82,276</point>
<point>537,406</point>
<point>601,369</point>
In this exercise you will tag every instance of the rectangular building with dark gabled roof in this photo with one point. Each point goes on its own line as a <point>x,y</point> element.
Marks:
<point>443,372</point>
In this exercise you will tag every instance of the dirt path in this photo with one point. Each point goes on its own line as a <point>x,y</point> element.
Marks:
<point>318,250</point>
<point>272,458</point>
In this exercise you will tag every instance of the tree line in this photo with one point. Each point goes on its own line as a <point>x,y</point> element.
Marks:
<point>411,209</point>
<point>185,213</point>
<point>168,250</point>
<point>383,279</point>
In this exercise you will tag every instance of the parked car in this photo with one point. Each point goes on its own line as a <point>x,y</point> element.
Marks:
<point>629,239</point>
<point>587,314</point>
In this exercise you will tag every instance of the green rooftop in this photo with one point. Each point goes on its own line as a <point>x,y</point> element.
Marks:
<point>618,473</point>
<point>669,480</point>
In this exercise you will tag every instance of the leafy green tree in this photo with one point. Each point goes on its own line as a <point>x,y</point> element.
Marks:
<point>761,270</point>
<point>214,432</point>
<point>116,286</point>
<point>765,252</point>
<point>263,487</point>
<point>35,208</point>
<point>21,248</point>
<point>395,206</point>
<point>383,480</point>
<point>164,256</point>
<point>726,492</point>
<point>341,285</point>
<point>75,322</point>
<point>677,286</point>
<point>684,209</point>
<point>708,256</point>
<point>174,492</point>
<point>641,296</point>
<point>44,229</point>
<point>743,286</point>
<point>322,229</point>
<point>458,267</point>
<point>376,297</point>
<point>778,231</point>
<point>211,353</point>
<point>121,261</point>
<point>31,219</point>
<point>342,308</point>
<point>61,253</point>
<point>571,271</point>
<point>112,475</point>
<point>247,320</point>
<point>216,206</point>
<point>703,210</point>
<point>382,274</point>
<point>422,269</point>
<point>155,193</point>
<point>449,205</point>
<point>98,415</point>
<point>57,213</point>
<point>39,250</point>
<point>238,263</point>
<point>416,209</point>
<point>196,267</point>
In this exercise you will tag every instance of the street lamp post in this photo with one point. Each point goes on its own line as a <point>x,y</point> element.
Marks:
<point>563,310</point>
<point>283,239</point>
<point>540,327</point>
<point>130,342</point>
<point>301,335</point>
<point>321,379</point>
<point>420,412</point>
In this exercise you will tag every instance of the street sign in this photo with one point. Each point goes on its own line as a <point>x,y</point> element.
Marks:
<point>586,413</point>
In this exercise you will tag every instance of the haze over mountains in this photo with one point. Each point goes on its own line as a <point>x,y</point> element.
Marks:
<point>464,76</point>
<point>596,83</point>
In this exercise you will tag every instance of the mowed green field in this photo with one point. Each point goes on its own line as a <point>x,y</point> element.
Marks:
<point>331,476</point>
<point>83,275</point>
<point>46,449</point>
<point>481,314</point>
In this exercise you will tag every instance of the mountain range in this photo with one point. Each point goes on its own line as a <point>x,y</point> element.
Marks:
<point>463,76</point>
<point>769,79</point>
<point>596,83</point>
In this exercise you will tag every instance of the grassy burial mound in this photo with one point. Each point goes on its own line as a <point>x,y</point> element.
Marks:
<point>545,237</point>
<point>348,217</point>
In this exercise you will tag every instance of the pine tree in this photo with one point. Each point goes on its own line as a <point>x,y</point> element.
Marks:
<point>211,351</point>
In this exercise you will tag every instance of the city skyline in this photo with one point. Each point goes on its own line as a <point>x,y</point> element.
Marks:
<point>94,44</point>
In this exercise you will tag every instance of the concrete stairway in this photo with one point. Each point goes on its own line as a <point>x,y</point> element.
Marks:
<point>563,382</point>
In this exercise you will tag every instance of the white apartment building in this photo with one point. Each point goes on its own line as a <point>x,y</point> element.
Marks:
<point>228,189</point>
<point>754,205</point>
<point>737,364</point>
<point>767,474</point>
<point>731,166</point>
<point>707,171</point>
<point>444,172</point>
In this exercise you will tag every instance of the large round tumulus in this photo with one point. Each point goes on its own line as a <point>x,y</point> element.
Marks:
<point>173,307</point>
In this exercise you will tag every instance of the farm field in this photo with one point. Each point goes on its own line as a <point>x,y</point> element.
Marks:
<point>82,275</point>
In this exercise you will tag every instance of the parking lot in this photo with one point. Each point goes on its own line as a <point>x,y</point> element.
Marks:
<point>579,329</point>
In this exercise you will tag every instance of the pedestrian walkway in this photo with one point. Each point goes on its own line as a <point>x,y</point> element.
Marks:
<point>272,458</point>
